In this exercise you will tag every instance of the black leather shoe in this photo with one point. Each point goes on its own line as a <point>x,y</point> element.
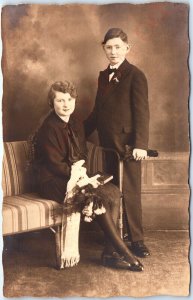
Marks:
<point>139,249</point>
<point>119,262</point>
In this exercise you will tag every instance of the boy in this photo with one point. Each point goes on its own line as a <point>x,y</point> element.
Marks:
<point>121,117</point>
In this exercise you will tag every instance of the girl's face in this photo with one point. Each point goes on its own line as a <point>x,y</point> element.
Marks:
<point>64,104</point>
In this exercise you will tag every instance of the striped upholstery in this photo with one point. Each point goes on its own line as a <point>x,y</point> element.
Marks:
<point>28,212</point>
<point>17,177</point>
<point>23,209</point>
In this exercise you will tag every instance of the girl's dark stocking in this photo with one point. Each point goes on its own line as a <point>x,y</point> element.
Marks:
<point>106,223</point>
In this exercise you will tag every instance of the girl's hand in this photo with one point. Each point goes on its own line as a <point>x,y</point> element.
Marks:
<point>83,181</point>
<point>94,182</point>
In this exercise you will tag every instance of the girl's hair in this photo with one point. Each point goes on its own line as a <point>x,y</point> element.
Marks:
<point>64,87</point>
<point>115,33</point>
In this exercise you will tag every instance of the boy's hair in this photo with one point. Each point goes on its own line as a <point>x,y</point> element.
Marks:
<point>115,33</point>
<point>64,87</point>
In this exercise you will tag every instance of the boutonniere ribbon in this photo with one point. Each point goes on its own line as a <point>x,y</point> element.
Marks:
<point>117,78</point>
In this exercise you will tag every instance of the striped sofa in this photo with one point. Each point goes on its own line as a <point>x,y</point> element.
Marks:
<point>23,209</point>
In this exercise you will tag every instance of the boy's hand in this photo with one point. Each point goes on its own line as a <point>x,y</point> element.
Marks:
<point>139,154</point>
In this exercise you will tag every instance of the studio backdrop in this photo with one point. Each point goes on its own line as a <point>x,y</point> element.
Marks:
<point>45,43</point>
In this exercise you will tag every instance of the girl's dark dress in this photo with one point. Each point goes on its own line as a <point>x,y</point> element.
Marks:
<point>58,146</point>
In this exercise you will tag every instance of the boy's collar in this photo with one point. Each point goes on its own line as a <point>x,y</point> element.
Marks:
<point>117,65</point>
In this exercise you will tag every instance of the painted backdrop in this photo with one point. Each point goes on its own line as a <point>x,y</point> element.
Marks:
<point>45,43</point>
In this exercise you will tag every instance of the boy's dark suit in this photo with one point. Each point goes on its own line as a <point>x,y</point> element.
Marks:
<point>121,116</point>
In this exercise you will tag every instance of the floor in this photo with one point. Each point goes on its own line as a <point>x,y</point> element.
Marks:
<point>29,268</point>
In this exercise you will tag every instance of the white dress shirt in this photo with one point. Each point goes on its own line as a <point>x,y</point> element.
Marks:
<point>114,67</point>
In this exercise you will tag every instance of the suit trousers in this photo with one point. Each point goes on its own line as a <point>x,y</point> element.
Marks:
<point>132,199</point>
<point>132,212</point>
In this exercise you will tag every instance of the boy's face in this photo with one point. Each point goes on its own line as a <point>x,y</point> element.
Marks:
<point>116,50</point>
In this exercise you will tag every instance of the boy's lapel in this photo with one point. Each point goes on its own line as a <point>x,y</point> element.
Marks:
<point>118,77</point>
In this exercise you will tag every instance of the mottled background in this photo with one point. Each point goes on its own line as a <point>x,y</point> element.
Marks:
<point>44,43</point>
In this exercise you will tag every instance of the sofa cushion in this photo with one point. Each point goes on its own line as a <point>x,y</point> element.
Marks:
<point>28,212</point>
<point>17,177</point>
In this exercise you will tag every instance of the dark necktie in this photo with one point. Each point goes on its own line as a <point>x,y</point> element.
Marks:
<point>113,70</point>
<point>74,147</point>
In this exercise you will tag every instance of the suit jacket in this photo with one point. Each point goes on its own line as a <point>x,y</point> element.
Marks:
<point>121,111</point>
<point>53,147</point>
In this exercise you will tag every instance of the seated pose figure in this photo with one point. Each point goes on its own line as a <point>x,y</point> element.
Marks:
<point>61,152</point>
